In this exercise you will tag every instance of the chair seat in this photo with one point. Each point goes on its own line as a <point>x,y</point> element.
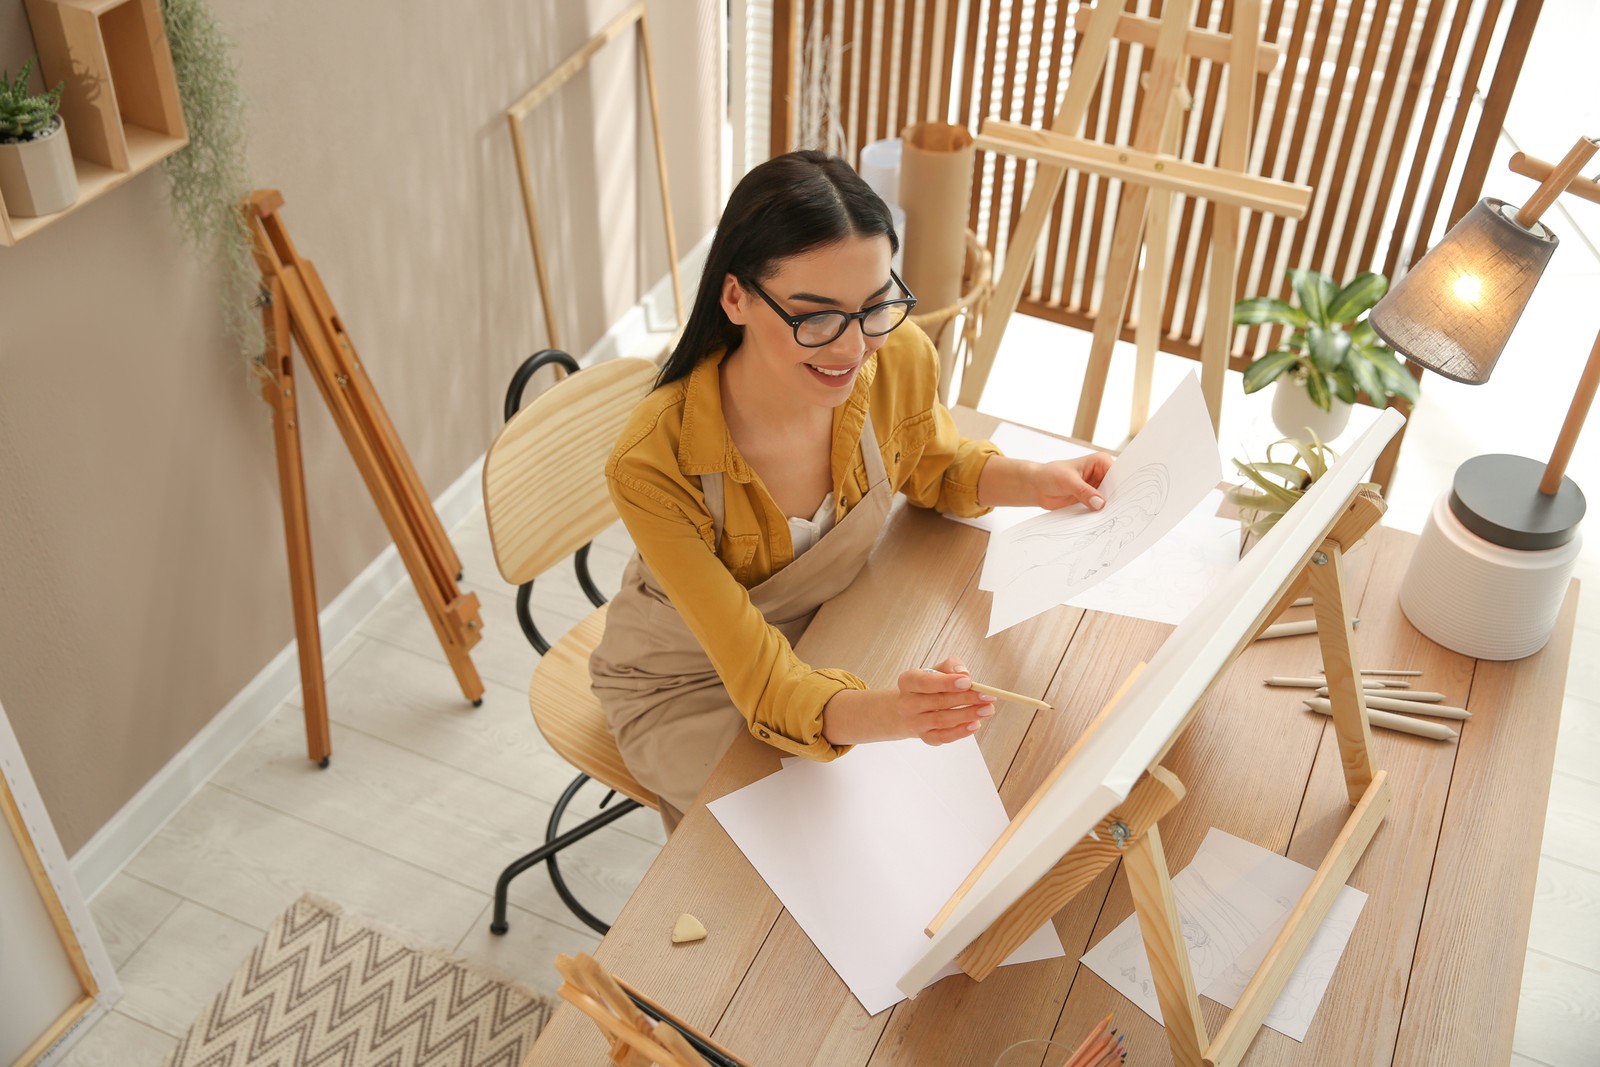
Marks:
<point>570,717</point>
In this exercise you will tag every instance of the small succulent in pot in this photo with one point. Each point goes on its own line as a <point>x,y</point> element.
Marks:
<point>37,176</point>
<point>25,115</point>
<point>1330,346</point>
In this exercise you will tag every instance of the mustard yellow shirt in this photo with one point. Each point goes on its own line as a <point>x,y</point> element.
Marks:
<point>678,433</point>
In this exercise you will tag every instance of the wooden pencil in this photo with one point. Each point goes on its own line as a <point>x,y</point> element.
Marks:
<point>1006,694</point>
<point>1404,724</point>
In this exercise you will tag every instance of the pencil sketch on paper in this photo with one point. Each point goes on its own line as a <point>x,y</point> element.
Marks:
<point>1233,899</point>
<point>1077,547</point>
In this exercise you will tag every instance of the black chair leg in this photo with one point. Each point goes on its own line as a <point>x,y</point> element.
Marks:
<point>555,841</point>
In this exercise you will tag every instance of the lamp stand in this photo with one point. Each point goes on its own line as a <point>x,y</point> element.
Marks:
<point>1491,569</point>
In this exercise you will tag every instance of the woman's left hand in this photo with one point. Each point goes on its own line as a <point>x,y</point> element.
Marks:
<point>1072,481</point>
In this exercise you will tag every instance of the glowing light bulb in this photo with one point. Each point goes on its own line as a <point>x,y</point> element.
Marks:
<point>1468,288</point>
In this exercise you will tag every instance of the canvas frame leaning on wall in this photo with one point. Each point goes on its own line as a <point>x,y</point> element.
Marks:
<point>56,978</point>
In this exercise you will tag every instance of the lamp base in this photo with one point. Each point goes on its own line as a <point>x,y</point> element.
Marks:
<point>1479,598</point>
<point>1497,497</point>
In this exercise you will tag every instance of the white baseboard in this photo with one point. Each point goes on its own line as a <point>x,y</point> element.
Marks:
<point>104,854</point>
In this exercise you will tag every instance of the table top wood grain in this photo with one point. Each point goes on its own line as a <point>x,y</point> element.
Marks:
<point>1433,968</point>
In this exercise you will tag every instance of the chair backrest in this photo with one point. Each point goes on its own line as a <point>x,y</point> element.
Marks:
<point>544,484</point>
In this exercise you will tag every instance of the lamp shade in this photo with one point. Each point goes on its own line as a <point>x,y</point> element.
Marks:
<point>1454,311</point>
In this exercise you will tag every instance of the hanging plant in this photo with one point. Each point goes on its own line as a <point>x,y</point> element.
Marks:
<point>208,177</point>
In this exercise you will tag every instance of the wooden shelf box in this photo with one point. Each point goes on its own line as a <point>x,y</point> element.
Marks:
<point>121,101</point>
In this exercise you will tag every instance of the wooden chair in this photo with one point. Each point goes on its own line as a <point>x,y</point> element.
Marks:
<point>545,497</point>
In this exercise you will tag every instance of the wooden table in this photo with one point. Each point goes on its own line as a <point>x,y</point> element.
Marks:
<point>1432,971</point>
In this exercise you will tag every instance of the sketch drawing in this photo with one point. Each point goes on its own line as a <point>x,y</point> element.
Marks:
<point>1078,546</point>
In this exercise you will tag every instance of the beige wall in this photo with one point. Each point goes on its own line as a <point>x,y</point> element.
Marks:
<point>142,574</point>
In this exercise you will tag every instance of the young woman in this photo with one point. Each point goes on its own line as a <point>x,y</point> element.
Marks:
<point>755,478</point>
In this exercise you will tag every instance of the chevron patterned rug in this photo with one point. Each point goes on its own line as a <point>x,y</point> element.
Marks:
<point>325,989</point>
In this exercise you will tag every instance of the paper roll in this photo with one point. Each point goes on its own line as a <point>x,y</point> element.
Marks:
<point>935,190</point>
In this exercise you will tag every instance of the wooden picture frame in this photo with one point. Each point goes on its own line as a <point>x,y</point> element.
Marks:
<point>517,112</point>
<point>43,867</point>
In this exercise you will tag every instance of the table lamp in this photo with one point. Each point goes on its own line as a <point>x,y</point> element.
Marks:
<point>1490,571</point>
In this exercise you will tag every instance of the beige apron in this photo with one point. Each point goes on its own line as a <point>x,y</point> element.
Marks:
<point>668,709</point>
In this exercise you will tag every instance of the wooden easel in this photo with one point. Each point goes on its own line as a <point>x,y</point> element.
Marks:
<point>1131,833</point>
<point>295,304</point>
<point>634,1039</point>
<point>1150,173</point>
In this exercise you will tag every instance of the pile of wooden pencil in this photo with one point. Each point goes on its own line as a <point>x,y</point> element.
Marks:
<point>1102,1048</point>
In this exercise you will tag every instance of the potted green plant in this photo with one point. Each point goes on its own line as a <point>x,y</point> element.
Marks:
<point>1276,483</point>
<point>1329,354</point>
<point>36,172</point>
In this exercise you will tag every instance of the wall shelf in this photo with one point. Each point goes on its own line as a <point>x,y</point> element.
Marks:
<point>120,104</point>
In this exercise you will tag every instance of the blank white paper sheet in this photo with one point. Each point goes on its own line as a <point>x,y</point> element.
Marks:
<point>865,850</point>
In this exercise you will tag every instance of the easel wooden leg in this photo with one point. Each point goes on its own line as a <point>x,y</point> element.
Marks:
<point>1166,950</point>
<point>1345,692</point>
<point>1121,265</point>
<point>1256,1002</point>
<point>1087,65</point>
<point>278,390</point>
<point>1153,278</point>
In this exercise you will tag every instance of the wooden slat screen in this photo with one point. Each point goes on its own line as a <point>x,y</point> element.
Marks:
<point>1375,106</point>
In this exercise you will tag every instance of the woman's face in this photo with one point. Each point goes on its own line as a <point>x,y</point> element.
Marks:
<point>845,276</point>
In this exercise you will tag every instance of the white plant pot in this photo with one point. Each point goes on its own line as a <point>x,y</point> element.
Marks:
<point>37,177</point>
<point>1293,412</point>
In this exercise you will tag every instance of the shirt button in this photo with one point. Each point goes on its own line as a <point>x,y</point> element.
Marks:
<point>897,457</point>
<point>763,733</point>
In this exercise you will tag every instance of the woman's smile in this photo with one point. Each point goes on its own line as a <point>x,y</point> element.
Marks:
<point>834,375</point>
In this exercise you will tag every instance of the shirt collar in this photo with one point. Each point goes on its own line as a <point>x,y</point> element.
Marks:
<point>704,444</point>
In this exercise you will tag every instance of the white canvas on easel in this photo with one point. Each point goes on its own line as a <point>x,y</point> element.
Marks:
<point>1145,721</point>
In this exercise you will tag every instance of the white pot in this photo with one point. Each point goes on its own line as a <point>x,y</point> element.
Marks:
<point>37,176</point>
<point>1293,412</point>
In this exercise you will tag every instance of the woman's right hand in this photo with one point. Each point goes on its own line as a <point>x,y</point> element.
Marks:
<point>938,704</point>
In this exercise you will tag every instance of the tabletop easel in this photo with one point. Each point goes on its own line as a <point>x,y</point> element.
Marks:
<point>295,305</point>
<point>1150,173</point>
<point>1131,833</point>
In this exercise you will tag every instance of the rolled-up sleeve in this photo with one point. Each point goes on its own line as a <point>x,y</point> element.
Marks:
<point>781,697</point>
<point>944,475</point>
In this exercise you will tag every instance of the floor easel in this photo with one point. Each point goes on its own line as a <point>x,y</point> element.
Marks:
<point>1150,173</point>
<point>294,304</point>
<point>1131,833</point>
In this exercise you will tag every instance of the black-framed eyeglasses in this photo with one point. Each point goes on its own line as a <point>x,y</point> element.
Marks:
<point>821,328</point>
